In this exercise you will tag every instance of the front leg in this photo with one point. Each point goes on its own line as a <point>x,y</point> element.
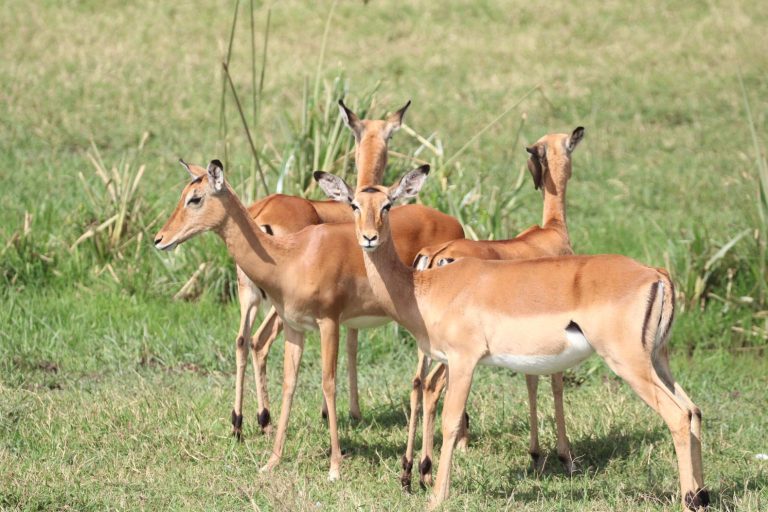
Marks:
<point>563,445</point>
<point>249,298</point>
<point>532,383</point>
<point>262,341</point>
<point>329,350</point>
<point>413,419</point>
<point>354,398</point>
<point>294,348</point>
<point>459,384</point>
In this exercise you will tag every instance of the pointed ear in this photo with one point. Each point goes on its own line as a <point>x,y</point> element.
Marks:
<point>394,121</point>
<point>187,167</point>
<point>574,139</point>
<point>410,184</point>
<point>350,119</point>
<point>538,153</point>
<point>216,175</point>
<point>334,187</point>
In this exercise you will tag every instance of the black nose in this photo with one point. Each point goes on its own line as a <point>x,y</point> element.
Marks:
<point>158,240</point>
<point>370,238</point>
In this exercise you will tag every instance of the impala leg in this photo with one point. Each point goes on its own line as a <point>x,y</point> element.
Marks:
<point>459,383</point>
<point>249,299</point>
<point>532,383</point>
<point>659,394</point>
<point>413,419</point>
<point>662,364</point>
<point>294,348</point>
<point>329,350</point>
<point>262,341</point>
<point>563,445</point>
<point>433,387</point>
<point>354,399</point>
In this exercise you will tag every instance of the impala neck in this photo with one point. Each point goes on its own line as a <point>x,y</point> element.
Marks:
<point>394,287</point>
<point>554,202</point>
<point>370,160</point>
<point>254,251</point>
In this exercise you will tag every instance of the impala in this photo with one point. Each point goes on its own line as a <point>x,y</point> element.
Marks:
<point>280,214</point>
<point>550,166</point>
<point>536,317</point>
<point>315,278</point>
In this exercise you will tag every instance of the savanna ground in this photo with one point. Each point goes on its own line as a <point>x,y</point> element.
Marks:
<point>116,395</point>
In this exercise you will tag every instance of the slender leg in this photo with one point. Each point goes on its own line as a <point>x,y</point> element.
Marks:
<point>249,299</point>
<point>354,399</point>
<point>433,387</point>
<point>413,419</point>
<point>459,383</point>
<point>563,445</point>
<point>329,350</point>
<point>532,383</point>
<point>294,348</point>
<point>262,341</point>
<point>676,413</point>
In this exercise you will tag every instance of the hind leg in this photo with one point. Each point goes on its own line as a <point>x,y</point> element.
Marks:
<point>659,394</point>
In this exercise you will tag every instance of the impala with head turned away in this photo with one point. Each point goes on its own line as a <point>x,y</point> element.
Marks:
<point>536,317</point>
<point>550,165</point>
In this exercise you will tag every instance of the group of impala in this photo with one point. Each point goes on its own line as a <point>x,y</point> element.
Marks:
<point>527,303</point>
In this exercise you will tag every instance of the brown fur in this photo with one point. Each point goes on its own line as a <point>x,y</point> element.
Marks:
<point>550,166</point>
<point>279,215</point>
<point>315,277</point>
<point>486,316</point>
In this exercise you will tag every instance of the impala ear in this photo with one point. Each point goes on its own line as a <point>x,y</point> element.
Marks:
<point>188,169</point>
<point>395,120</point>
<point>350,119</point>
<point>538,153</point>
<point>574,139</point>
<point>334,187</point>
<point>216,175</point>
<point>410,184</point>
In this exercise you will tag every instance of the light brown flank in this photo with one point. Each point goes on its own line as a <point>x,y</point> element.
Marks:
<point>487,316</point>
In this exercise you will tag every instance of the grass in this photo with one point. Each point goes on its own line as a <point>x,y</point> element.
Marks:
<point>115,395</point>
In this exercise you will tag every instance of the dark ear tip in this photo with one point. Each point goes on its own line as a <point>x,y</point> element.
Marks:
<point>579,129</point>
<point>216,162</point>
<point>531,150</point>
<point>425,168</point>
<point>318,175</point>
<point>341,103</point>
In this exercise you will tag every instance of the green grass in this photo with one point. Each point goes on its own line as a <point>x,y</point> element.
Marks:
<point>114,395</point>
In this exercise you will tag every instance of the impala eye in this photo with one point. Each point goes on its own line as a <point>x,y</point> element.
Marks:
<point>194,200</point>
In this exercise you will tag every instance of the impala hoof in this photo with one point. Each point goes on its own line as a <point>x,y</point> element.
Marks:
<point>698,500</point>
<point>568,465</point>
<point>333,475</point>
<point>405,476</point>
<point>269,466</point>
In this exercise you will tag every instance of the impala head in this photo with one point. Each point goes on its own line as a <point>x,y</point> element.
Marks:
<point>200,208</point>
<point>372,204</point>
<point>550,160</point>
<point>372,137</point>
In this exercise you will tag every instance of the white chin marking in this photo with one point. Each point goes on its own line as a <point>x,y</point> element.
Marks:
<point>168,247</point>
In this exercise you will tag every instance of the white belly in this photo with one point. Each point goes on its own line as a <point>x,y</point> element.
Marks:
<point>577,349</point>
<point>365,322</point>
